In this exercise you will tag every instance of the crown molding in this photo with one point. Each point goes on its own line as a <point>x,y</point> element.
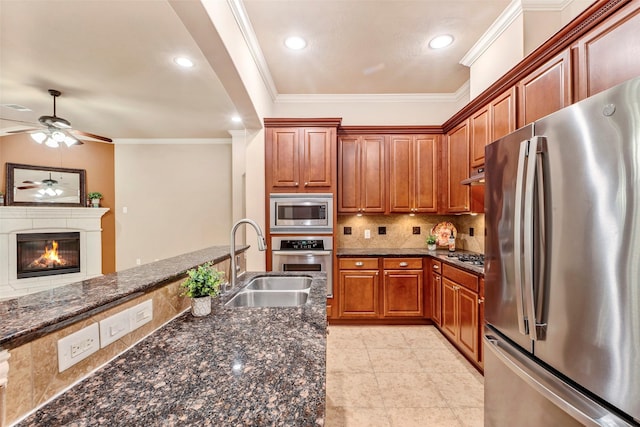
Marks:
<point>244,24</point>
<point>171,141</point>
<point>506,18</point>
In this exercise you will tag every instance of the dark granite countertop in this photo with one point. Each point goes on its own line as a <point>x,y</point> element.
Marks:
<point>441,254</point>
<point>235,367</point>
<point>28,317</point>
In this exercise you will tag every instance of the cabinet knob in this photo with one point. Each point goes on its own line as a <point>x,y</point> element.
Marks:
<point>306,183</point>
<point>359,264</point>
<point>436,267</point>
<point>295,183</point>
<point>403,264</point>
<point>480,301</point>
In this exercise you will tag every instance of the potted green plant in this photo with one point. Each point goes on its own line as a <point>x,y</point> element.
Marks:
<point>202,283</point>
<point>95,197</point>
<point>431,242</point>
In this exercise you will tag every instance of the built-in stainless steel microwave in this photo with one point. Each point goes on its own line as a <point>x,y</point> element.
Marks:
<point>301,213</point>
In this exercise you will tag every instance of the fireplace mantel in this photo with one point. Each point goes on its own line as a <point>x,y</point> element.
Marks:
<point>37,219</point>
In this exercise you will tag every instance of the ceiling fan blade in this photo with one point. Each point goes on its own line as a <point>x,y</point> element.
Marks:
<point>91,135</point>
<point>26,187</point>
<point>23,130</point>
<point>19,121</point>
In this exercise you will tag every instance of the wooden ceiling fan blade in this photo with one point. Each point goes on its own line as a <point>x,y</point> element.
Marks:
<point>23,130</point>
<point>91,135</point>
<point>19,121</point>
<point>27,187</point>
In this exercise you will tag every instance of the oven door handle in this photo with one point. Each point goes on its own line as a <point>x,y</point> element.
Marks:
<point>308,253</point>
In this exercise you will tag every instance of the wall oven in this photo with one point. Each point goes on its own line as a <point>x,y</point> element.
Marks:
<point>304,253</point>
<point>300,213</point>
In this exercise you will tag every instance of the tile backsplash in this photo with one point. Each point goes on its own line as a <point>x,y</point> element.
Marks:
<point>399,231</point>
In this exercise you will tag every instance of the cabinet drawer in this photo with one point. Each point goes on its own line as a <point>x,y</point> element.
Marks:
<point>358,263</point>
<point>436,266</point>
<point>468,280</point>
<point>402,263</point>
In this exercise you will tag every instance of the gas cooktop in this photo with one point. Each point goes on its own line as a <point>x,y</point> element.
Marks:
<point>469,258</point>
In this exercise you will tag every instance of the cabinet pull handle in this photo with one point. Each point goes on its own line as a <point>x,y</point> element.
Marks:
<point>436,267</point>
<point>403,264</point>
<point>306,183</point>
<point>480,301</point>
<point>295,183</point>
<point>359,264</point>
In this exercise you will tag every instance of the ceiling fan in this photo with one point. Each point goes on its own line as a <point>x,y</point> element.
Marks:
<point>55,130</point>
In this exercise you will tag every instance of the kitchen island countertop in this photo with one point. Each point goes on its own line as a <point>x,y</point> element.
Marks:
<point>237,366</point>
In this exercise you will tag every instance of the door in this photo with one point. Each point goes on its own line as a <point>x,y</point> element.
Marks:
<point>359,294</point>
<point>436,284</point>
<point>504,303</point>
<point>403,293</point>
<point>588,305</point>
<point>285,158</point>
<point>449,317</point>
<point>425,175</point>
<point>457,161</point>
<point>468,321</point>
<point>319,154</point>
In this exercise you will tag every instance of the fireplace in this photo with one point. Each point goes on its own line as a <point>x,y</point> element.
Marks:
<point>46,254</point>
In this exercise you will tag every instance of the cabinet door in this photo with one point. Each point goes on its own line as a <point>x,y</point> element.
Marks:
<point>468,322</point>
<point>318,151</point>
<point>400,174</point>
<point>359,294</point>
<point>349,175</point>
<point>457,159</point>
<point>403,293</point>
<point>372,181</point>
<point>425,159</point>
<point>610,54</point>
<point>436,301</point>
<point>480,135</point>
<point>503,114</point>
<point>546,90</point>
<point>285,158</point>
<point>449,320</point>
<point>481,324</point>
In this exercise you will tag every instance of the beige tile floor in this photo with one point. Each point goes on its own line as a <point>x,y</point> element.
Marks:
<point>399,376</point>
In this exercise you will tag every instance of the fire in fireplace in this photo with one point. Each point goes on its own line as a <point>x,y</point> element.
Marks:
<point>44,254</point>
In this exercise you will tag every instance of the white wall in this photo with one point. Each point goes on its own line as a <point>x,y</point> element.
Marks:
<point>178,199</point>
<point>539,26</point>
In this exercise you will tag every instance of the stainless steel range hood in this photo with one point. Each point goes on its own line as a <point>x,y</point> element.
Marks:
<point>475,179</point>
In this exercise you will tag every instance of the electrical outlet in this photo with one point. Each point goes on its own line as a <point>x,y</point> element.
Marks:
<point>114,327</point>
<point>416,230</point>
<point>78,346</point>
<point>138,262</point>
<point>382,230</point>
<point>367,234</point>
<point>140,314</point>
<point>347,230</point>
<point>471,231</point>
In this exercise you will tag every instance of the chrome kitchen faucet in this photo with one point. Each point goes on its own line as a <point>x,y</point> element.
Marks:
<point>262,245</point>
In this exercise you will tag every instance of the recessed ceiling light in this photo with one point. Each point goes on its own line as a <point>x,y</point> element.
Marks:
<point>236,119</point>
<point>295,43</point>
<point>439,42</point>
<point>183,62</point>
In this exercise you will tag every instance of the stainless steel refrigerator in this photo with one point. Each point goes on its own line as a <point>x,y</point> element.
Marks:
<point>562,267</point>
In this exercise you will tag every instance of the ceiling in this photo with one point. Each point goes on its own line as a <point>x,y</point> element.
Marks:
<point>113,60</point>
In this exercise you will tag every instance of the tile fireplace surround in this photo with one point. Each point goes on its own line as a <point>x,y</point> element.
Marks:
<point>35,219</point>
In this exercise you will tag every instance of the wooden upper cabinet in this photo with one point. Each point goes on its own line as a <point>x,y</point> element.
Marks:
<point>480,135</point>
<point>503,115</point>
<point>285,158</point>
<point>413,167</point>
<point>610,54</point>
<point>546,90</point>
<point>300,158</point>
<point>361,174</point>
<point>318,153</point>
<point>457,161</point>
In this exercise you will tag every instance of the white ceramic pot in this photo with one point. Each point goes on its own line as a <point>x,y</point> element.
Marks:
<point>95,203</point>
<point>431,247</point>
<point>201,306</point>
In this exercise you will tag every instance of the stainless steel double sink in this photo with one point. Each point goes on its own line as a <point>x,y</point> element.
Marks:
<point>273,291</point>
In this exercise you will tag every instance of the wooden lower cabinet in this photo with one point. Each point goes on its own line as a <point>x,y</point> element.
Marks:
<point>460,320</point>
<point>362,295</point>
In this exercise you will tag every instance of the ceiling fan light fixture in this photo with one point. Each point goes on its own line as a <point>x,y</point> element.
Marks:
<point>58,191</point>
<point>69,141</point>
<point>295,43</point>
<point>51,143</point>
<point>441,41</point>
<point>58,136</point>
<point>38,137</point>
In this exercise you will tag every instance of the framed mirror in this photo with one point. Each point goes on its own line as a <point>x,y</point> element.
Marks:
<point>29,185</point>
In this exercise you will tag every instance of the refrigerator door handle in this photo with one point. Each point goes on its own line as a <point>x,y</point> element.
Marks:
<point>561,394</point>
<point>528,230</point>
<point>517,238</point>
<point>538,297</point>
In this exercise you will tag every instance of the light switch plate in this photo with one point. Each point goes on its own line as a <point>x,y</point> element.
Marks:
<point>140,314</point>
<point>113,328</point>
<point>78,346</point>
